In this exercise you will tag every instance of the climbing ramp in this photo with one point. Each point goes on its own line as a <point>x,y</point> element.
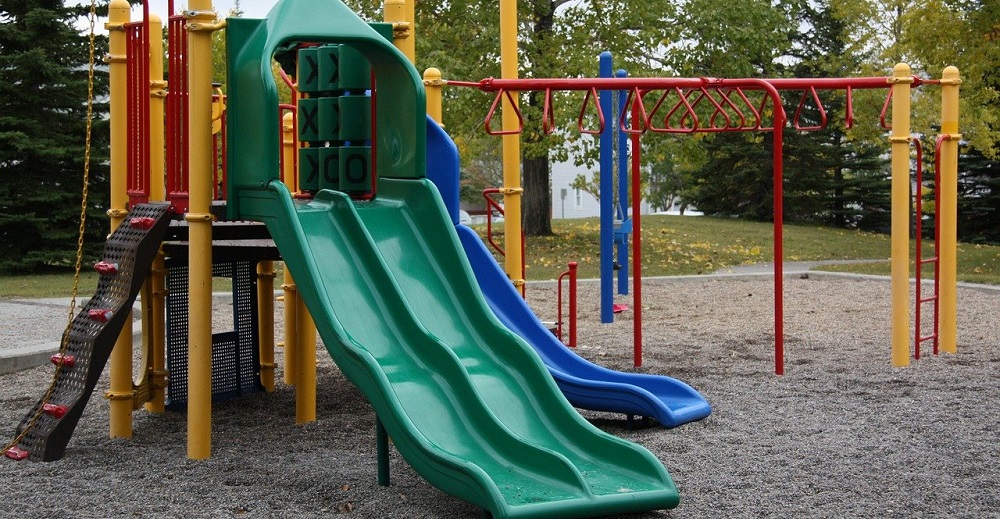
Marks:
<point>128,255</point>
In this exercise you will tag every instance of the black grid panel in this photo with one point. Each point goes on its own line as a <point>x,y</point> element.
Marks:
<point>235,354</point>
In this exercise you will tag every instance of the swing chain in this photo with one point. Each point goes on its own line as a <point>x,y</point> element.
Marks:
<point>64,345</point>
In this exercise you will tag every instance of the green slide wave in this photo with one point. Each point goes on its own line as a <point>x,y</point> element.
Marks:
<point>468,404</point>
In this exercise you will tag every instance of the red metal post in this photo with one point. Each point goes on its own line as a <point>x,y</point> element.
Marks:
<point>559,299</point>
<point>636,239</point>
<point>779,312</point>
<point>572,304</point>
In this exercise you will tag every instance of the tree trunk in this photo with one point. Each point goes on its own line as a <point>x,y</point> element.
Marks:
<point>536,207</point>
<point>839,207</point>
<point>537,200</point>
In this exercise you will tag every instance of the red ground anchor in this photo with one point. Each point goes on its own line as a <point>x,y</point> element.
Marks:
<point>142,222</point>
<point>100,315</point>
<point>105,268</point>
<point>55,410</point>
<point>66,361</point>
<point>16,454</point>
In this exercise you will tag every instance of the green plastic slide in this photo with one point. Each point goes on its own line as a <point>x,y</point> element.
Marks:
<point>469,406</point>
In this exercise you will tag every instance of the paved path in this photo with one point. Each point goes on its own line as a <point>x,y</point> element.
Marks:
<point>30,329</point>
<point>791,267</point>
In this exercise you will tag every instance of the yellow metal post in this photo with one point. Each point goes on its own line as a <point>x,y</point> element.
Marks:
<point>400,13</point>
<point>157,96</point>
<point>120,391</point>
<point>157,323</point>
<point>948,253</point>
<point>511,148</point>
<point>305,381</point>
<point>900,242</point>
<point>201,23</point>
<point>433,85</point>
<point>157,192</point>
<point>291,295</point>
<point>291,343</point>
<point>265,322</point>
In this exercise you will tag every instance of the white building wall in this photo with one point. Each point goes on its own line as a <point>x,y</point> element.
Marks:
<point>577,203</point>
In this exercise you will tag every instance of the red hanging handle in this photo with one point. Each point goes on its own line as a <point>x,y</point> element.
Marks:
<point>634,101</point>
<point>802,103</point>
<point>591,94</point>
<point>493,108</point>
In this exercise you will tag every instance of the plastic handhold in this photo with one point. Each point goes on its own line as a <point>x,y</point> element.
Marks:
<point>100,315</point>
<point>106,268</point>
<point>16,454</point>
<point>66,361</point>
<point>142,222</point>
<point>55,410</point>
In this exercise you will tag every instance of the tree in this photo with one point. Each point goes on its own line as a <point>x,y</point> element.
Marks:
<point>43,96</point>
<point>978,198</point>
<point>732,172</point>
<point>557,38</point>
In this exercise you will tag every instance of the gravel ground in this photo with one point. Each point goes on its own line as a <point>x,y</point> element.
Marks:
<point>841,434</point>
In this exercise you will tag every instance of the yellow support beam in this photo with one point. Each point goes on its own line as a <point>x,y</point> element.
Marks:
<point>201,23</point>
<point>305,380</point>
<point>265,322</point>
<point>900,228</point>
<point>513,259</point>
<point>400,13</point>
<point>157,324</point>
<point>433,84</point>
<point>120,390</point>
<point>948,253</point>
<point>155,321</point>
<point>291,295</point>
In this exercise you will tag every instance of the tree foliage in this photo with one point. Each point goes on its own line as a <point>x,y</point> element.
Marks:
<point>557,38</point>
<point>43,95</point>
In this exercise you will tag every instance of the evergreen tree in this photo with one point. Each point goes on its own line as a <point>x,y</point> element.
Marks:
<point>827,177</point>
<point>978,198</point>
<point>43,95</point>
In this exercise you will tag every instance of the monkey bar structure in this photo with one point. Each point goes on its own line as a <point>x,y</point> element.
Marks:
<point>714,105</point>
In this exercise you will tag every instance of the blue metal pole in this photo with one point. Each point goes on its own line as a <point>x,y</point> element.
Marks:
<point>607,195</point>
<point>623,190</point>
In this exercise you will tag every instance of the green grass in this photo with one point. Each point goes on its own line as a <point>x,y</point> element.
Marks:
<point>46,285</point>
<point>676,245</point>
<point>672,245</point>
<point>61,285</point>
<point>976,264</point>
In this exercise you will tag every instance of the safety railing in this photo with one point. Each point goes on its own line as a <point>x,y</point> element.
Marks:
<point>491,206</point>
<point>137,118</point>
<point>569,273</point>
<point>177,167</point>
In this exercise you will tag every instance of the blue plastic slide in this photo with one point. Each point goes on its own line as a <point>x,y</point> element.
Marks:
<point>586,385</point>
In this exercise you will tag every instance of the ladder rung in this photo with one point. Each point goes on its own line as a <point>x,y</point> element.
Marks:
<point>928,299</point>
<point>925,261</point>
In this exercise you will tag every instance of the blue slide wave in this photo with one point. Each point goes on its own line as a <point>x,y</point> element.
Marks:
<point>585,384</point>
